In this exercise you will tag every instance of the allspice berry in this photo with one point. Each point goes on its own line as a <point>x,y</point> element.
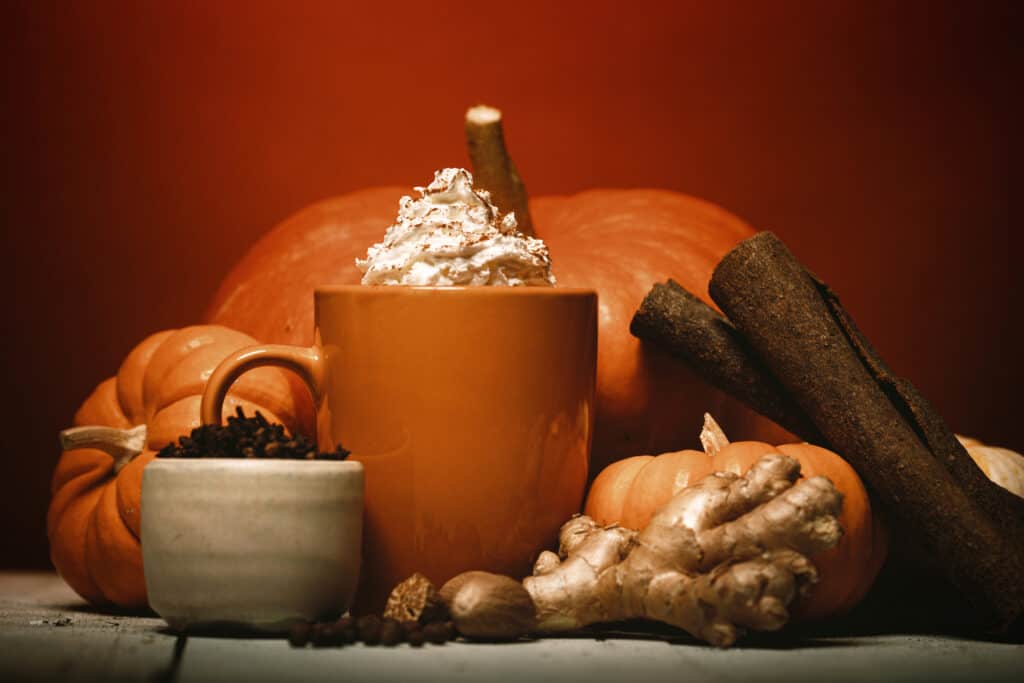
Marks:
<point>371,629</point>
<point>438,633</point>
<point>368,628</point>
<point>416,638</point>
<point>391,632</point>
<point>327,635</point>
<point>346,627</point>
<point>298,635</point>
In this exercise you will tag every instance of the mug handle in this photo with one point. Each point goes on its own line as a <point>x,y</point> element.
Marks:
<point>307,363</point>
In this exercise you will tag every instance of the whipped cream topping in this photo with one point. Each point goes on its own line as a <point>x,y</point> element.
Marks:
<point>450,236</point>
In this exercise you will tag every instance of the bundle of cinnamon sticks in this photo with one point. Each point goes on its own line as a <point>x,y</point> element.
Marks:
<point>789,350</point>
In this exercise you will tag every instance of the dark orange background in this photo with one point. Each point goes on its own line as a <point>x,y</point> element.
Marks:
<point>148,144</point>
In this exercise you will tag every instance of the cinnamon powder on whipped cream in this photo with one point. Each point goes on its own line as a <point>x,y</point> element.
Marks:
<point>452,236</point>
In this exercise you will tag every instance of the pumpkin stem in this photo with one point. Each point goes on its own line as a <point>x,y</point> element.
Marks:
<point>712,438</point>
<point>123,445</point>
<point>493,169</point>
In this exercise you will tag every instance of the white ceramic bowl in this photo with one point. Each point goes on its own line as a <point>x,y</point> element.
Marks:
<point>256,544</point>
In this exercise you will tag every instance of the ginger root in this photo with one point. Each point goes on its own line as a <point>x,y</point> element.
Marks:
<point>726,554</point>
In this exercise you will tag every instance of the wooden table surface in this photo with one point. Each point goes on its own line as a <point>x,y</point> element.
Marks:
<point>48,633</point>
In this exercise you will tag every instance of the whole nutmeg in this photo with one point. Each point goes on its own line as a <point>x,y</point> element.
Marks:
<point>452,586</point>
<point>487,606</point>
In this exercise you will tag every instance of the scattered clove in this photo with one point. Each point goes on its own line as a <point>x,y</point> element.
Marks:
<point>370,629</point>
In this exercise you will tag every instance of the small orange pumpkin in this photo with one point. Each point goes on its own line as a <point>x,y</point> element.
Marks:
<point>630,491</point>
<point>95,511</point>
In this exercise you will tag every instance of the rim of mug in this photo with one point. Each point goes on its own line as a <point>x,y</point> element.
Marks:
<point>495,290</point>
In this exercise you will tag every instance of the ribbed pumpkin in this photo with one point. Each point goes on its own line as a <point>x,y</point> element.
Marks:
<point>94,516</point>
<point>629,492</point>
<point>618,242</point>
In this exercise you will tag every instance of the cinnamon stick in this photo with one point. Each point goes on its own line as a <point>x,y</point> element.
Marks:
<point>675,320</point>
<point>930,428</point>
<point>493,169</point>
<point>881,425</point>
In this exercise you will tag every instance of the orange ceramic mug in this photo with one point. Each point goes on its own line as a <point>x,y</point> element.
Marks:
<point>471,409</point>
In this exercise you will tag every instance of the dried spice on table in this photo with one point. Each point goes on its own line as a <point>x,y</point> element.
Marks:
<point>414,596</point>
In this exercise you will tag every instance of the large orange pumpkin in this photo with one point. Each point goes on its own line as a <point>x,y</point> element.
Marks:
<point>630,491</point>
<point>618,242</point>
<point>95,512</point>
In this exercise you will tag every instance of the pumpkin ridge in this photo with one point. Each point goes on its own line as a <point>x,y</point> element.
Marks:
<point>91,561</point>
<point>118,551</point>
<point>129,493</point>
<point>180,380</point>
<point>79,466</point>
<point>345,215</point>
<point>175,351</point>
<point>129,395</point>
<point>102,407</point>
<point>68,545</point>
<point>629,499</point>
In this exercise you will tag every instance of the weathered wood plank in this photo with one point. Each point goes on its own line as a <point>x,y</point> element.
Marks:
<point>891,658</point>
<point>47,633</point>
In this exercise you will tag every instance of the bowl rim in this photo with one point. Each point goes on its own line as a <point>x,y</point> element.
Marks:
<point>254,464</point>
